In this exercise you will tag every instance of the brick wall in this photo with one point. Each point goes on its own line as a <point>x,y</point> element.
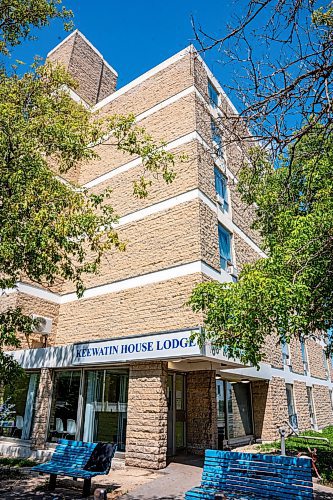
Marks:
<point>296,356</point>
<point>147,309</point>
<point>146,435</point>
<point>272,352</point>
<point>168,124</point>
<point>153,243</point>
<point>269,408</point>
<point>157,88</point>
<point>124,202</point>
<point>95,80</point>
<point>201,412</point>
<point>316,362</point>
<point>302,405</point>
<point>323,406</point>
<point>42,405</point>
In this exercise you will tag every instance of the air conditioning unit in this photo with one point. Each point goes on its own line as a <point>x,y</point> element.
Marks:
<point>288,362</point>
<point>44,324</point>
<point>231,269</point>
<point>220,201</point>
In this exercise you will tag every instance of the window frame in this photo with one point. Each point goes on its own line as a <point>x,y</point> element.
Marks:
<point>213,94</point>
<point>228,258</point>
<point>219,176</point>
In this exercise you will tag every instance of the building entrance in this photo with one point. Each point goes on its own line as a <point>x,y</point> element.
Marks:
<point>176,390</point>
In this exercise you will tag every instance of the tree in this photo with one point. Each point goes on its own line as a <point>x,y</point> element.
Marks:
<point>290,293</point>
<point>18,17</point>
<point>51,230</point>
<point>281,55</point>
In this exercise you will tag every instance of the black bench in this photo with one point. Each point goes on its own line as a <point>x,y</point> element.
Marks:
<point>250,476</point>
<point>78,459</point>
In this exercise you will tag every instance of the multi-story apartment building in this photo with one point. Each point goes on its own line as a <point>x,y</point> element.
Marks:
<point>118,364</point>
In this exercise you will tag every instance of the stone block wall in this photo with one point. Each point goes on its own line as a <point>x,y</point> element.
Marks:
<point>316,360</point>
<point>302,405</point>
<point>296,356</point>
<point>94,77</point>
<point>323,406</point>
<point>201,412</point>
<point>146,435</point>
<point>146,309</point>
<point>269,408</point>
<point>42,406</point>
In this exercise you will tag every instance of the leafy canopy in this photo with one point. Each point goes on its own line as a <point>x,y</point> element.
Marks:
<point>290,293</point>
<point>18,17</point>
<point>50,229</point>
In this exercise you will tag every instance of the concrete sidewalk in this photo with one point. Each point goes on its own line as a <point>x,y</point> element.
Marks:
<point>172,483</point>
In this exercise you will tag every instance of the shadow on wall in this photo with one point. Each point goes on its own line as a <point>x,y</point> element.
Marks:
<point>50,357</point>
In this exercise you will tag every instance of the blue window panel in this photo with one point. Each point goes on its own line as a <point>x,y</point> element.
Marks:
<point>217,138</point>
<point>225,247</point>
<point>304,358</point>
<point>213,95</point>
<point>221,187</point>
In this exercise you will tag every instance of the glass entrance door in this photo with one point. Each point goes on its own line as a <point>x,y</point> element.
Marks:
<point>176,391</point>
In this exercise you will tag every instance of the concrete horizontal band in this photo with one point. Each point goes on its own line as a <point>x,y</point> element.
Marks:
<point>126,284</point>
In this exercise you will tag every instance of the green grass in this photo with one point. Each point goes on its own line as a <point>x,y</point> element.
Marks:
<point>16,462</point>
<point>296,445</point>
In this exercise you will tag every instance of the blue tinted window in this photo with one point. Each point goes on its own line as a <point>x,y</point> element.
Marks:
<point>225,247</point>
<point>213,95</point>
<point>221,187</point>
<point>217,138</point>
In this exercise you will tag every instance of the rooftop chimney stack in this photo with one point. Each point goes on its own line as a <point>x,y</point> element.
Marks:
<point>95,77</point>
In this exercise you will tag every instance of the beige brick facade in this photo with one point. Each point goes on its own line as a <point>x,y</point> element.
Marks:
<point>323,406</point>
<point>269,408</point>
<point>172,245</point>
<point>146,441</point>
<point>42,405</point>
<point>201,412</point>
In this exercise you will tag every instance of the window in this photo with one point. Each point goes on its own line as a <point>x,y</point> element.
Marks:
<point>234,410</point>
<point>105,411</point>
<point>65,400</point>
<point>18,408</point>
<point>304,358</point>
<point>213,95</point>
<point>325,363</point>
<point>221,188</point>
<point>291,407</point>
<point>285,354</point>
<point>225,247</point>
<point>311,408</point>
<point>217,138</point>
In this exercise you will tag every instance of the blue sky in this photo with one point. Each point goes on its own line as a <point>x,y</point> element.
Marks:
<point>137,35</point>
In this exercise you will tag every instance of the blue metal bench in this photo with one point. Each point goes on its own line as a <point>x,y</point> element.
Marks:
<point>78,459</point>
<point>250,476</point>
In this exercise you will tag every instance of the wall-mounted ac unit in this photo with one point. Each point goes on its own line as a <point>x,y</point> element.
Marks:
<point>288,362</point>
<point>220,201</point>
<point>44,325</point>
<point>231,269</point>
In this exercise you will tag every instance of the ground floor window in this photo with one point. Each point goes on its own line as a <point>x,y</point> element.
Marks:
<point>234,410</point>
<point>293,421</point>
<point>311,408</point>
<point>105,408</point>
<point>18,407</point>
<point>90,405</point>
<point>64,407</point>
